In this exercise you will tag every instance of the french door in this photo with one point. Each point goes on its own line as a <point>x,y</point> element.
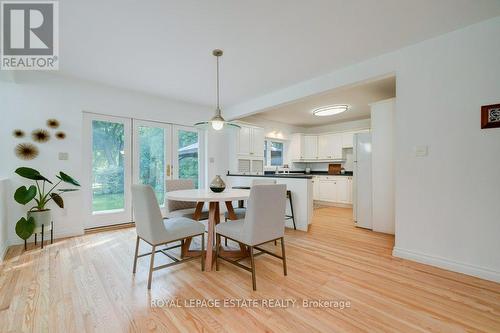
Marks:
<point>109,170</point>
<point>125,151</point>
<point>153,156</point>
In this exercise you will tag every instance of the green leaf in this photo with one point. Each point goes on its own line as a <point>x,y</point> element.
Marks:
<point>67,189</point>
<point>67,179</point>
<point>31,174</point>
<point>57,199</point>
<point>25,228</point>
<point>24,195</point>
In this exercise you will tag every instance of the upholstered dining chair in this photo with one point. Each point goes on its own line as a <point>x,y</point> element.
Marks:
<point>156,231</point>
<point>181,208</point>
<point>264,222</point>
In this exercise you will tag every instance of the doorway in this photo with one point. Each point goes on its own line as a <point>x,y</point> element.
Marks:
<point>123,151</point>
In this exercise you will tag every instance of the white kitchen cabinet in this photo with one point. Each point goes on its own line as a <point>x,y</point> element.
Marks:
<point>251,141</point>
<point>245,141</point>
<point>330,146</point>
<point>347,139</point>
<point>341,185</point>
<point>327,190</point>
<point>258,137</point>
<point>309,147</point>
<point>295,147</point>
<point>335,189</point>
<point>315,182</point>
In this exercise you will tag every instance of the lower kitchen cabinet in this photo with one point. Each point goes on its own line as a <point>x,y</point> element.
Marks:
<point>315,182</point>
<point>335,189</point>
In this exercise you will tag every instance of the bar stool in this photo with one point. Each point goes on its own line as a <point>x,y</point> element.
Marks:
<point>288,217</point>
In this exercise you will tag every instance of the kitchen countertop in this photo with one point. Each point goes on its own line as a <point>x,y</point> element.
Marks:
<point>289,175</point>
<point>292,175</point>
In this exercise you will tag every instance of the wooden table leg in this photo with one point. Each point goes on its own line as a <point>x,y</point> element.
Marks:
<point>230,211</point>
<point>196,216</point>
<point>212,220</point>
<point>198,210</point>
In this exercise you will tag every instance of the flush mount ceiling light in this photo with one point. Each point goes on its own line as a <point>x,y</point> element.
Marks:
<point>330,110</point>
<point>216,121</point>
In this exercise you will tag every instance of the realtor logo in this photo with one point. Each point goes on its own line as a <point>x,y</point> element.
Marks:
<point>30,35</point>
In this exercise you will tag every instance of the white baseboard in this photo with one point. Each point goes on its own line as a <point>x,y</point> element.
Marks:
<point>57,234</point>
<point>3,250</point>
<point>455,266</point>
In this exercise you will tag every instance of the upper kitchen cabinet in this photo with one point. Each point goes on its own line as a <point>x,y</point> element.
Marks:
<point>309,147</point>
<point>251,141</point>
<point>347,139</point>
<point>244,141</point>
<point>330,146</point>
<point>258,138</point>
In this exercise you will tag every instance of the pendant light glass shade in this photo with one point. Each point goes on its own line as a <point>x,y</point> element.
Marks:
<point>217,122</point>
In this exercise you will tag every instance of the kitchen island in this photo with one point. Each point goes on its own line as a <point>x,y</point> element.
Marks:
<point>300,186</point>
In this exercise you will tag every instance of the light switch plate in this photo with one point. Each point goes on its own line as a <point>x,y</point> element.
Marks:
<point>421,151</point>
<point>63,156</point>
<point>211,160</point>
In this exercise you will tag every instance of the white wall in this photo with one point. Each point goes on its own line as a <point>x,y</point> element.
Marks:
<point>340,127</point>
<point>382,117</point>
<point>274,129</point>
<point>34,97</point>
<point>4,188</point>
<point>447,211</point>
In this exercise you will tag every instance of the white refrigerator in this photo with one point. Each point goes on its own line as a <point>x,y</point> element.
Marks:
<point>362,180</point>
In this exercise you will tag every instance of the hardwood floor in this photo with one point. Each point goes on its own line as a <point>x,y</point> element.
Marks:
<point>86,284</point>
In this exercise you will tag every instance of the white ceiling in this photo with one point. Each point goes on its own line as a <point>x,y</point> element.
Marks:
<point>164,47</point>
<point>358,97</point>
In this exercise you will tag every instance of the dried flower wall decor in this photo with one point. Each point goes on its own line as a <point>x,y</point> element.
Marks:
<point>40,135</point>
<point>60,135</point>
<point>53,123</point>
<point>26,151</point>
<point>18,133</point>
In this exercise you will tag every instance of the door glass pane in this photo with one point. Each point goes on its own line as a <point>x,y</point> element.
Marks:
<point>108,140</point>
<point>188,155</point>
<point>276,153</point>
<point>152,159</point>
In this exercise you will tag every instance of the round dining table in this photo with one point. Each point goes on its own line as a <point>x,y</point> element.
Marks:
<point>202,196</point>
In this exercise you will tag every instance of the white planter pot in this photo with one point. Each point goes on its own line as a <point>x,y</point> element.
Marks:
<point>41,217</point>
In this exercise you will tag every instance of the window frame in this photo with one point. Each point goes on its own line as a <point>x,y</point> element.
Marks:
<point>267,152</point>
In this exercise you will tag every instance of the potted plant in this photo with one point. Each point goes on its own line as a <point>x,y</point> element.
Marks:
<point>39,214</point>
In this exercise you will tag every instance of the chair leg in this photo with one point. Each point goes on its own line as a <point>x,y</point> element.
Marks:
<point>291,211</point>
<point>225,239</point>
<point>217,250</point>
<point>202,252</point>
<point>283,255</point>
<point>151,265</point>
<point>136,254</point>
<point>254,283</point>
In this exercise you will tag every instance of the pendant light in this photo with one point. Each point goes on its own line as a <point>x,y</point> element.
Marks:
<point>217,122</point>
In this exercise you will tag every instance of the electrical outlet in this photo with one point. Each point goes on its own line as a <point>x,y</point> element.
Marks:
<point>63,156</point>
<point>421,151</point>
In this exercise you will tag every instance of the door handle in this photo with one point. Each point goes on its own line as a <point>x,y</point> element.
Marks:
<point>168,170</point>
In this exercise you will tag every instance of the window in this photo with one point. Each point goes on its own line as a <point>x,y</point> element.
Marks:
<point>273,153</point>
<point>152,159</point>
<point>187,154</point>
<point>108,176</point>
